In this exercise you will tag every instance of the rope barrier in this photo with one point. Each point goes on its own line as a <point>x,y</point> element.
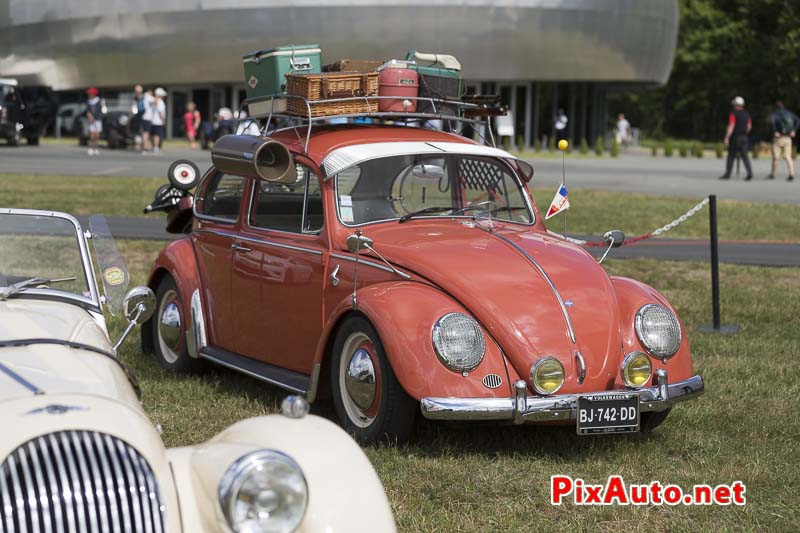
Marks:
<point>656,232</point>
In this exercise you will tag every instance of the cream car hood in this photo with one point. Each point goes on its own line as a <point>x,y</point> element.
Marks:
<point>54,369</point>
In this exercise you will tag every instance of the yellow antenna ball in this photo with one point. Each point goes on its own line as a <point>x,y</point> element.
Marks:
<point>563,144</point>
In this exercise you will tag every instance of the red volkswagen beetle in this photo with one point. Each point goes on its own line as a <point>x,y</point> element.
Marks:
<point>406,272</point>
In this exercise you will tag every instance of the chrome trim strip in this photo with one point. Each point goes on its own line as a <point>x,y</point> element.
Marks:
<point>521,408</point>
<point>87,492</point>
<point>41,489</point>
<point>23,528</point>
<point>362,262</point>
<point>262,241</point>
<point>54,491</point>
<point>141,485</point>
<point>95,470</point>
<point>545,276</point>
<point>7,520</point>
<point>251,374</point>
<point>33,505</point>
<point>132,485</point>
<point>21,380</point>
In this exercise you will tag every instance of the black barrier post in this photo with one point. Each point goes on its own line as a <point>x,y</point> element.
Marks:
<point>716,327</point>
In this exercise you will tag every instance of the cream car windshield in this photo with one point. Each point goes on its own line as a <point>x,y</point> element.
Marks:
<point>401,187</point>
<point>40,253</point>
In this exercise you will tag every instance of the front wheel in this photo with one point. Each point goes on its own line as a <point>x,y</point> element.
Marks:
<point>370,402</point>
<point>169,330</point>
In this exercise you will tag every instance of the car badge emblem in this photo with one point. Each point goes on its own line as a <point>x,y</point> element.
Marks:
<point>252,82</point>
<point>56,409</point>
<point>569,303</point>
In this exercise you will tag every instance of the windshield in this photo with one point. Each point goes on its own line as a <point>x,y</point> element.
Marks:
<point>395,187</point>
<point>44,247</point>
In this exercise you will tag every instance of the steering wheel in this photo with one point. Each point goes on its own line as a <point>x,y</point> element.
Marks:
<point>486,205</point>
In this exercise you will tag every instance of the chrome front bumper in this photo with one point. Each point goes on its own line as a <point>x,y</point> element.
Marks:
<point>523,408</point>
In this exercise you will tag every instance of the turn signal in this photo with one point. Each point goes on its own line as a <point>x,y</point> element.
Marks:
<point>636,369</point>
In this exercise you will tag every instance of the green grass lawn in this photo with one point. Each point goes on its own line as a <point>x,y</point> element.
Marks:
<point>493,478</point>
<point>592,212</point>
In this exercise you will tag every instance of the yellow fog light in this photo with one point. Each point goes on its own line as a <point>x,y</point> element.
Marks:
<point>547,375</point>
<point>636,369</point>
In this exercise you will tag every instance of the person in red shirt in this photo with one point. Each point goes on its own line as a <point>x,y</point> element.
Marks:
<point>191,120</point>
<point>736,138</point>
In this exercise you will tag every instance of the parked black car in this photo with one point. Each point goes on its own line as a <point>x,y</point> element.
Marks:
<point>120,126</point>
<point>24,112</point>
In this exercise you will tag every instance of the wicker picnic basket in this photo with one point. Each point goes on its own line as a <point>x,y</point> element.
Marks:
<point>331,86</point>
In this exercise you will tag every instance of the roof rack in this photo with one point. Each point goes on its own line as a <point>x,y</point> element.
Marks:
<point>269,112</point>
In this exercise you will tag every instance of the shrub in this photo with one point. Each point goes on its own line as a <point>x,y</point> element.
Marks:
<point>697,150</point>
<point>654,150</point>
<point>584,147</point>
<point>683,150</point>
<point>668,148</point>
<point>520,142</point>
<point>614,151</point>
<point>551,143</point>
<point>537,145</point>
<point>506,143</point>
<point>599,146</point>
<point>719,150</point>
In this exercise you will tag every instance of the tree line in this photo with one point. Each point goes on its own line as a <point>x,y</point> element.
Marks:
<point>726,48</point>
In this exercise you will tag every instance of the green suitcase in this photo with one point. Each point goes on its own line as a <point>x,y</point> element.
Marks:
<point>265,70</point>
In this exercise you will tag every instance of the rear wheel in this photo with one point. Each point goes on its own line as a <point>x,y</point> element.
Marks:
<point>653,419</point>
<point>370,402</point>
<point>169,330</point>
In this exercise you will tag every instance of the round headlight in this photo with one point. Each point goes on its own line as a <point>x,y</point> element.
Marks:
<point>459,342</point>
<point>658,329</point>
<point>547,375</point>
<point>263,491</point>
<point>636,369</point>
<point>123,120</point>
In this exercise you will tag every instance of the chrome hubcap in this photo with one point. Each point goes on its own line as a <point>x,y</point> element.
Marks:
<point>360,379</point>
<point>169,327</point>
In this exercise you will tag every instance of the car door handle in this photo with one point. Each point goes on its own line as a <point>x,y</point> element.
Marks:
<point>236,247</point>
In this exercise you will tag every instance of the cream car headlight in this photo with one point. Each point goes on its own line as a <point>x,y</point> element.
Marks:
<point>636,369</point>
<point>459,342</point>
<point>547,375</point>
<point>263,492</point>
<point>658,330</point>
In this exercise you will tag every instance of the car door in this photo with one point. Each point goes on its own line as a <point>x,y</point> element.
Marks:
<point>277,273</point>
<point>218,209</point>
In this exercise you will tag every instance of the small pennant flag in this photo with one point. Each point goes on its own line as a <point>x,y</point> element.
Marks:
<point>559,203</point>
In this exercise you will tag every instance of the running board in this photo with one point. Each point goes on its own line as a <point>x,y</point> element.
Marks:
<point>274,375</point>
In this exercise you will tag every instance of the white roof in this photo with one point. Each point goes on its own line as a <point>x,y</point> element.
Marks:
<point>349,156</point>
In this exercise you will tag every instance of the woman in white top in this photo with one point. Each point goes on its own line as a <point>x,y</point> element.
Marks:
<point>158,110</point>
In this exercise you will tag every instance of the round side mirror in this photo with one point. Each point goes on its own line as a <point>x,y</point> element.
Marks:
<point>139,304</point>
<point>614,238</point>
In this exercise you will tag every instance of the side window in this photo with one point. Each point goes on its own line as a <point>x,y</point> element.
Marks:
<point>295,208</point>
<point>222,197</point>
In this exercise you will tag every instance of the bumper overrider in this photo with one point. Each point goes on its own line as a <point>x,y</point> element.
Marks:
<point>522,408</point>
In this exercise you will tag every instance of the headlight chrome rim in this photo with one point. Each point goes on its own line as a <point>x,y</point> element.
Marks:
<point>627,361</point>
<point>437,339</point>
<point>535,367</point>
<point>241,471</point>
<point>639,325</point>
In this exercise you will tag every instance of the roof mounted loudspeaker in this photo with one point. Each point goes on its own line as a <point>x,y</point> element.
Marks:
<point>254,157</point>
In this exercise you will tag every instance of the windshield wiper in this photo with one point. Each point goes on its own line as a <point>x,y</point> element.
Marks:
<point>14,288</point>
<point>427,210</point>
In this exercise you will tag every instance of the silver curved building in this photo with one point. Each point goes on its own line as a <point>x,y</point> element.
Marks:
<point>540,53</point>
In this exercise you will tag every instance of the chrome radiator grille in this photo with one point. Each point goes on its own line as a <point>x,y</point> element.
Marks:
<point>78,481</point>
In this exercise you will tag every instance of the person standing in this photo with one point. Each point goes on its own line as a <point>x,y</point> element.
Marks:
<point>94,116</point>
<point>623,132</point>
<point>158,118</point>
<point>739,126</point>
<point>784,128</point>
<point>147,119</point>
<point>191,120</point>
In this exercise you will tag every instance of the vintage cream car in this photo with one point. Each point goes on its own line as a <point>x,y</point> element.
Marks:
<point>78,451</point>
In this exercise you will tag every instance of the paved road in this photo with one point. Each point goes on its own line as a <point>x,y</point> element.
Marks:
<point>631,172</point>
<point>744,253</point>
